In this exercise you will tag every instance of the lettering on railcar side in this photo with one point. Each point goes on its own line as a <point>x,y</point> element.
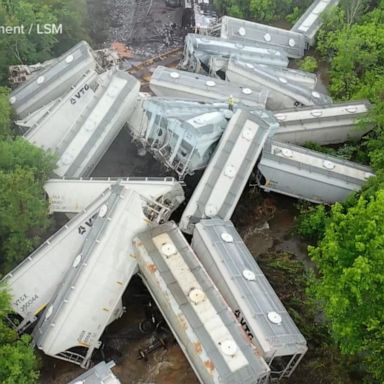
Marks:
<point>243,323</point>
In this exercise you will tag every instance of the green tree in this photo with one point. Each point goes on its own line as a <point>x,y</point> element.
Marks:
<point>23,215</point>
<point>18,363</point>
<point>350,259</point>
<point>23,207</point>
<point>31,47</point>
<point>5,113</point>
<point>20,153</point>
<point>309,64</point>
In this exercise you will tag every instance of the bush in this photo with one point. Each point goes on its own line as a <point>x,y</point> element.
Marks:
<point>309,64</point>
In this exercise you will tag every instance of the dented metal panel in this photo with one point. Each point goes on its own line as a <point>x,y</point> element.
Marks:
<point>311,21</point>
<point>327,124</point>
<point>34,281</point>
<point>208,333</point>
<point>231,165</point>
<point>72,195</point>
<point>90,295</point>
<point>248,293</point>
<point>293,43</point>
<point>90,137</point>
<point>309,175</point>
<point>185,85</point>
<point>54,81</point>
<point>200,49</point>
<point>283,93</point>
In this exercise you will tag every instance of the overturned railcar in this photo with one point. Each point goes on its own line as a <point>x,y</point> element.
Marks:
<point>73,195</point>
<point>200,50</point>
<point>56,122</point>
<point>308,175</point>
<point>34,281</point>
<point>282,92</point>
<point>89,297</point>
<point>292,43</point>
<point>94,131</point>
<point>53,82</point>
<point>247,291</point>
<point>326,124</point>
<point>185,85</point>
<point>311,21</point>
<point>200,319</point>
<point>224,179</point>
<point>169,107</point>
<point>295,76</point>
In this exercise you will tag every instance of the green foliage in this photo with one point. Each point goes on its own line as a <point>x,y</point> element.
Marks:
<point>31,46</point>
<point>350,260</point>
<point>323,362</point>
<point>309,64</point>
<point>23,207</point>
<point>20,153</point>
<point>263,10</point>
<point>18,364</point>
<point>311,223</point>
<point>5,113</point>
<point>23,215</point>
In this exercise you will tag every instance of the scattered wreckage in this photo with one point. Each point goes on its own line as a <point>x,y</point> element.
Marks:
<point>235,108</point>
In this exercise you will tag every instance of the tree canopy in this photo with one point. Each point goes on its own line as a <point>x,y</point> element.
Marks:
<point>32,47</point>
<point>351,260</point>
<point>18,363</point>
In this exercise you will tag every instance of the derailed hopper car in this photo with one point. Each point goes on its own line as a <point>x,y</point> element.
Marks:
<point>73,195</point>
<point>311,21</point>
<point>89,297</point>
<point>57,121</point>
<point>282,92</point>
<point>93,132</point>
<point>54,81</point>
<point>326,124</point>
<point>34,281</point>
<point>224,179</point>
<point>203,324</point>
<point>248,293</point>
<point>292,43</point>
<point>309,175</point>
<point>185,85</point>
<point>199,50</point>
